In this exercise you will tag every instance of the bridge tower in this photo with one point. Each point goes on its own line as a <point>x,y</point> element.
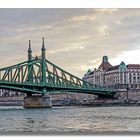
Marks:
<point>43,57</point>
<point>30,68</point>
<point>43,49</point>
<point>29,51</point>
<point>37,101</point>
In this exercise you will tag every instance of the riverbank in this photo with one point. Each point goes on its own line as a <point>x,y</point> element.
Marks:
<point>97,103</point>
<point>18,101</point>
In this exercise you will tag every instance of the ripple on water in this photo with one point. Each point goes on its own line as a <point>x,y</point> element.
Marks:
<point>70,119</point>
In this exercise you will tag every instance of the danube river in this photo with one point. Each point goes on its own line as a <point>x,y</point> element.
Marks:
<point>70,119</point>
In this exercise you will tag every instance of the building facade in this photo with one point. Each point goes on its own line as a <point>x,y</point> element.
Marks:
<point>121,77</point>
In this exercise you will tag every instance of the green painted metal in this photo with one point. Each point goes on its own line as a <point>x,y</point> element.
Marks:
<point>41,76</point>
<point>105,59</point>
<point>122,66</point>
<point>30,69</point>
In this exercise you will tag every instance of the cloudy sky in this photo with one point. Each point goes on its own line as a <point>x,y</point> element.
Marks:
<point>75,39</point>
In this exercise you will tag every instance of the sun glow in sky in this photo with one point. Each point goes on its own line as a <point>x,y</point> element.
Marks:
<point>75,39</point>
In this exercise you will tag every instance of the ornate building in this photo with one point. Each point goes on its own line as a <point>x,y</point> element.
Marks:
<point>121,76</point>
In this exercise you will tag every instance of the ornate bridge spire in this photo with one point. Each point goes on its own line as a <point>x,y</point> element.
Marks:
<point>29,51</point>
<point>43,54</point>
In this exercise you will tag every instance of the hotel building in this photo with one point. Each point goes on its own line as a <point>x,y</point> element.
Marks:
<point>121,77</point>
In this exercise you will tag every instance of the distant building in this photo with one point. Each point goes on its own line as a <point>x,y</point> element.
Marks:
<point>4,92</point>
<point>120,77</point>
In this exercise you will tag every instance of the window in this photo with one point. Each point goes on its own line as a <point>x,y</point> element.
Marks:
<point>134,79</point>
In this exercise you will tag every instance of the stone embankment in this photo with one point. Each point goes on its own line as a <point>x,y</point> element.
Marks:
<point>80,99</point>
<point>96,103</point>
<point>11,100</point>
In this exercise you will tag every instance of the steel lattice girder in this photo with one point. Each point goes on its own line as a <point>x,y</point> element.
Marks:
<point>42,76</point>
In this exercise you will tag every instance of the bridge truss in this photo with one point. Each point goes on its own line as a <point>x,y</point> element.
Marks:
<point>40,76</point>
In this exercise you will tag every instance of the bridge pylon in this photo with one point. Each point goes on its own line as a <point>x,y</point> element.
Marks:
<point>43,63</point>
<point>30,67</point>
<point>37,100</point>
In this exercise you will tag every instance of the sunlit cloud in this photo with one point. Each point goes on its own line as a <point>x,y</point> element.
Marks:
<point>118,22</point>
<point>75,39</point>
<point>104,30</point>
<point>129,57</point>
<point>82,18</point>
<point>35,28</point>
<point>67,49</point>
<point>106,10</point>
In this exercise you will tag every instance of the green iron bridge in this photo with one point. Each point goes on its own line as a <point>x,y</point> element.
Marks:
<point>40,76</point>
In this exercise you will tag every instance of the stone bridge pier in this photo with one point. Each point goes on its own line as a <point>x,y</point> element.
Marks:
<point>37,101</point>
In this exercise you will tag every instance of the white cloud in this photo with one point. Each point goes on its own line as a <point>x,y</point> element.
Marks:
<point>67,49</point>
<point>34,28</point>
<point>118,22</point>
<point>129,57</point>
<point>74,37</point>
<point>82,18</point>
<point>106,10</point>
<point>103,30</point>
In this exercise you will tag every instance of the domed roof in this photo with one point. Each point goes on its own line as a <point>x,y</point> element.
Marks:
<point>105,65</point>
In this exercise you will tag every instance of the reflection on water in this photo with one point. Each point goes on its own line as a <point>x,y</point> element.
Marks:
<point>70,119</point>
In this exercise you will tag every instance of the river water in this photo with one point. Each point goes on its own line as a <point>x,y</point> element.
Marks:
<point>70,119</point>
